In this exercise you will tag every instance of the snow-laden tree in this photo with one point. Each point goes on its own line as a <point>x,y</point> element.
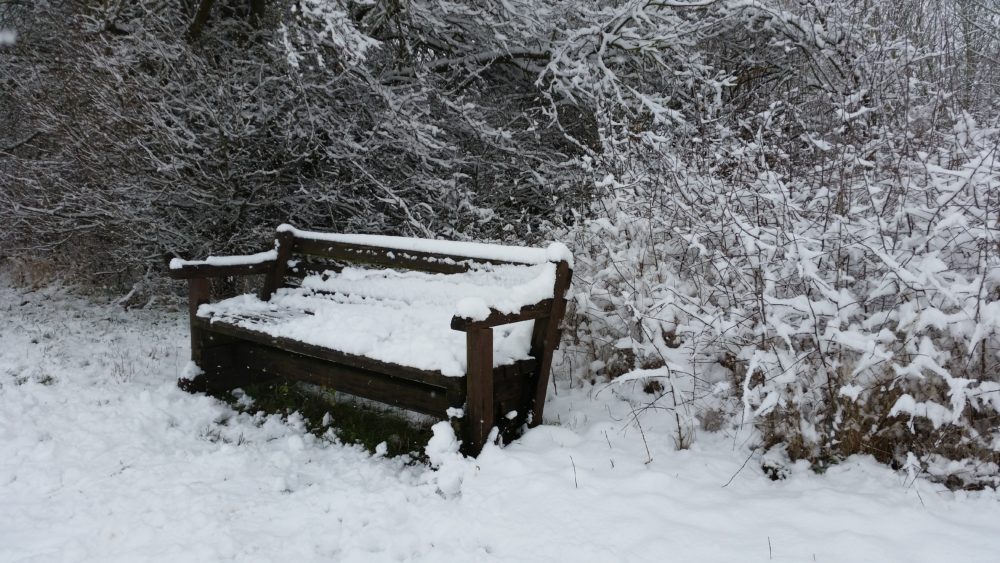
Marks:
<point>144,140</point>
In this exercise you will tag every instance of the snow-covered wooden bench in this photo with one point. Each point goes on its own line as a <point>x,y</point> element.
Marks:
<point>383,318</point>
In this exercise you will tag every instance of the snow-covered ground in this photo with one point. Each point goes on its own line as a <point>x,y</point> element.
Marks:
<point>102,458</point>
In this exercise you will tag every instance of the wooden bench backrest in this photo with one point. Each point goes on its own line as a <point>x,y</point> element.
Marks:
<point>332,254</point>
<point>387,257</point>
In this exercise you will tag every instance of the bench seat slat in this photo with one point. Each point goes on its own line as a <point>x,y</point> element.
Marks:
<point>228,327</point>
<point>345,375</point>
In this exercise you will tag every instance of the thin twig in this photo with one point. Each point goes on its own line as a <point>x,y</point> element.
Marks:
<point>745,462</point>
<point>649,456</point>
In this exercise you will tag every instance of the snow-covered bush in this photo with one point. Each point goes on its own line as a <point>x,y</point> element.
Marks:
<point>861,319</point>
<point>823,263</point>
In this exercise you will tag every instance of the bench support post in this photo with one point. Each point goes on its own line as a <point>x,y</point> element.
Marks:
<point>273,279</point>
<point>199,292</point>
<point>545,339</point>
<point>479,383</point>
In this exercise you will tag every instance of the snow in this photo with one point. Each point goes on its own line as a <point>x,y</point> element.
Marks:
<point>473,308</point>
<point>400,317</point>
<point>519,254</point>
<point>103,459</point>
<point>506,288</point>
<point>852,392</point>
<point>238,260</point>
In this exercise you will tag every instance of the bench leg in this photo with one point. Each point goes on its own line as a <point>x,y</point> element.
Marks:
<point>545,339</point>
<point>479,384</point>
<point>199,292</point>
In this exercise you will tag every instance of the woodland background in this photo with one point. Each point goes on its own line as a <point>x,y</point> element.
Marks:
<point>785,213</point>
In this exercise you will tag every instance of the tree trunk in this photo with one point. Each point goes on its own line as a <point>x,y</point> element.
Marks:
<point>257,8</point>
<point>200,18</point>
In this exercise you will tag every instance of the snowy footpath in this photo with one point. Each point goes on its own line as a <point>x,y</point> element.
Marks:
<point>103,459</point>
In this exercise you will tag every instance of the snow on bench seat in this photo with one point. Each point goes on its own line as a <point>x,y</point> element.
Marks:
<point>399,317</point>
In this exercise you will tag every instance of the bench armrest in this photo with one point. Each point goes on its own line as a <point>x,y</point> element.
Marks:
<point>222,266</point>
<point>538,310</point>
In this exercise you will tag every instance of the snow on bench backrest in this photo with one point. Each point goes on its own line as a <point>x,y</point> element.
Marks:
<point>442,252</point>
<point>239,260</point>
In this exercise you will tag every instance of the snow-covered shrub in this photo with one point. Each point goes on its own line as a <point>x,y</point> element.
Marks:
<point>861,319</point>
<point>823,263</point>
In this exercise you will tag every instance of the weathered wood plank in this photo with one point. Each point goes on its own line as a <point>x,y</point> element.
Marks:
<point>505,392</point>
<point>305,267</point>
<point>392,257</point>
<point>387,257</point>
<point>509,384</point>
<point>195,271</point>
<point>528,312</point>
<point>513,391</point>
<point>545,343</point>
<point>199,292</point>
<point>432,378</point>
<point>479,410</point>
<point>222,361</point>
<point>265,361</point>
<point>274,277</point>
